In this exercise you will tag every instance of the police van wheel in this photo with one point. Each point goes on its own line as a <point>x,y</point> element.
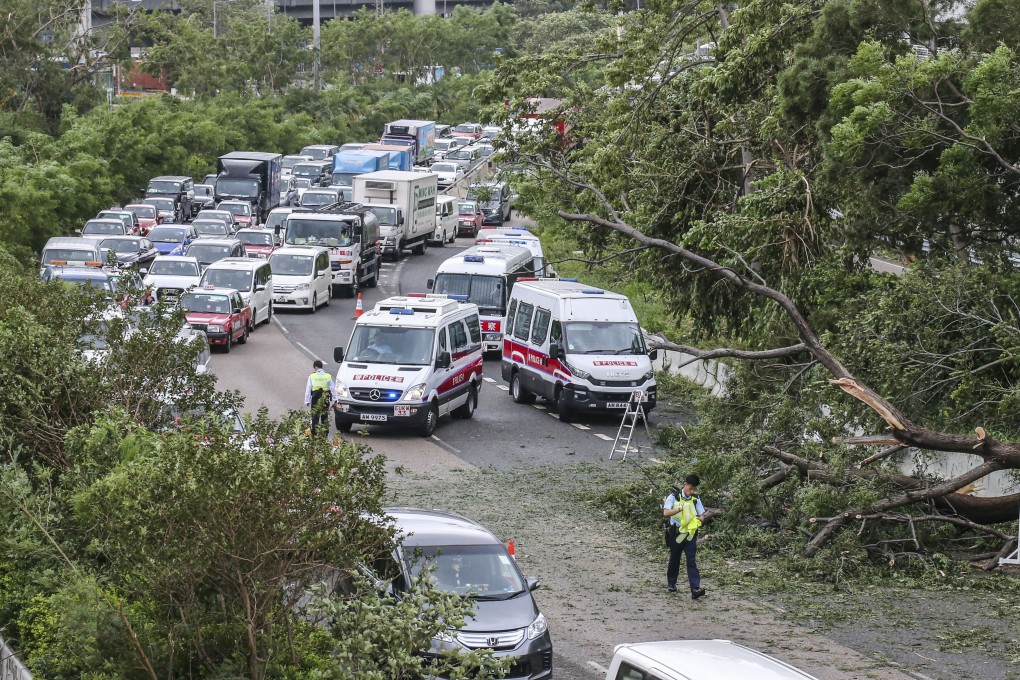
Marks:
<point>519,392</point>
<point>562,409</point>
<point>468,409</point>
<point>431,420</point>
<point>344,428</point>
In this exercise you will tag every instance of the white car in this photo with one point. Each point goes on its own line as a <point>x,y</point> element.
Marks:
<point>697,660</point>
<point>288,164</point>
<point>171,274</point>
<point>302,277</point>
<point>449,173</point>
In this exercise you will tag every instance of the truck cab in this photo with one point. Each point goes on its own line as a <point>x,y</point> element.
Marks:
<point>350,232</point>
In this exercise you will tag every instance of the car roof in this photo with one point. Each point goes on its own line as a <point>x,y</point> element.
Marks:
<point>73,241</point>
<point>420,527</point>
<point>137,205</point>
<point>216,241</point>
<point>176,178</point>
<point>106,220</point>
<point>176,258</point>
<point>714,660</point>
<point>236,263</point>
<point>122,237</point>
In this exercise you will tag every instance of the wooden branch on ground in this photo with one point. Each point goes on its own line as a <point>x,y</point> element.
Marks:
<point>993,562</point>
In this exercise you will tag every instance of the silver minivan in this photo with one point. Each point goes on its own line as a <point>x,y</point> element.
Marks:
<point>252,278</point>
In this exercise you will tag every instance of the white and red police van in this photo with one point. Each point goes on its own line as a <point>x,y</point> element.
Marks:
<point>484,275</point>
<point>519,236</point>
<point>410,360</point>
<point>576,345</point>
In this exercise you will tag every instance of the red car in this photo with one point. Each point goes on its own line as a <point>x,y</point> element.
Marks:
<point>220,313</point>
<point>469,218</point>
<point>148,216</point>
<point>259,243</point>
<point>470,130</point>
<point>241,210</point>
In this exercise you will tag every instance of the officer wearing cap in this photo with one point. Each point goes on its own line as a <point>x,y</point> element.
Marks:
<point>318,386</point>
<point>685,513</point>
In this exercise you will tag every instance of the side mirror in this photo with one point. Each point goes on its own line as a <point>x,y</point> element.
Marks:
<point>443,360</point>
<point>430,283</point>
<point>400,216</point>
<point>143,272</point>
<point>338,354</point>
<point>201,369</point>
<point>533,583</point>
<point>653,354</point>
<point>77,231</point>
<point>556,351</point>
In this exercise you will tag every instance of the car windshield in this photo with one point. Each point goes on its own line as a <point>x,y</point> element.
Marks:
<point>236,208</point>
<point>275,219</point>
<point>306,170</point>
<point>301,183</point>
<point>483,571</point>
<point>167,235</point>
<point>204,303</point>
<point>317,154</point>
<point>210,228</point>
<point>238,279</point>
<point>207,253</point>
<point>103,283</point>
<point>292,265</point>
<point>173,267</point>
<point>329,233</point>
<point>488,292</point>
<point>164,187</point>
<point>459,155</point>
<point>466,209</point>
<point>387,216</point>
<point>467,128</point>
<point>164,204</point>
<point>111,215</point>
<point>144,211</point>
<point>606,337</point>
<point>203,190</point>
<point>444,144</point>
<point>256,238</point>
<point>443,167</point>
<point>120,245</point>
<point>317,198</point>
<point>94,227</point>
<point>236,186</point>
<point>390,345</point>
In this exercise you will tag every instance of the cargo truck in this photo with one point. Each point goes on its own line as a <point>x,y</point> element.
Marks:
<point>419,135</point>
<point>252,176</point>
<point>349,164</point>
<point>351,234</point>
<point>400,156</point>
<point>405,203</point>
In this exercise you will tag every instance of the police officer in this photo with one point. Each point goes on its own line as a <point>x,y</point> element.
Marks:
<point>685,512</point>
<point>319,385</point>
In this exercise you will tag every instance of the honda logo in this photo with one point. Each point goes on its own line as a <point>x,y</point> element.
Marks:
<point>493,641</point>
<point>374,395</point>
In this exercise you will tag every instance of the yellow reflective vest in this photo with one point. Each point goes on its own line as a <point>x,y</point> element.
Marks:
<point>320,382</point>
<point>687,518</point>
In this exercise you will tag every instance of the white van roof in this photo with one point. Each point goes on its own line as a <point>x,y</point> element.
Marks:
<point>487,260</point>
<point>711,660</point>
<point>420,311</point>
<point>574,301</point>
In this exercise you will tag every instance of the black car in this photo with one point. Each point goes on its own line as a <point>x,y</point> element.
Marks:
<point>133,251</point>
<point>205,196</point>
<point>466,559</point>
<point>494,198</point>
<point>179,188</point>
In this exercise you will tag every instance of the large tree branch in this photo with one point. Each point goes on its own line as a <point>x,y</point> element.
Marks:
<point>728,352</point>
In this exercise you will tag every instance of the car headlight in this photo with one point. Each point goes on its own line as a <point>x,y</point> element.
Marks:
<point>215,328</point>
<point>648,376</point>
<point>262,256</point>
<point>538,627</point>
<point>303,286</point>
<point>416,393</point>
<point>577,372</point>
<point>341,389</point>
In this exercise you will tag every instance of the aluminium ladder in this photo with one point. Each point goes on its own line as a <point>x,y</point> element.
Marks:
<point>631,416</point>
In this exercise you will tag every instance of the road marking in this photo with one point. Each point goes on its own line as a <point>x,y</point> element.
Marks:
<point>503,387</point>
<point>580,426</point>
<point>445,445</point>
<point>488,379</point>
<point>539,407</point>
<point>603,437</point>
<point>276,320</point>
<point>600,669</point>
<point>554,415</point>
<point>308,351</point>
<point>655,460</point>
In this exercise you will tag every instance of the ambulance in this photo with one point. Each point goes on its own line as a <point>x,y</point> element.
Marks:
<point>576,345</point>
<point>519,236</point>
<point>410,360</point>
<point>485,274</point>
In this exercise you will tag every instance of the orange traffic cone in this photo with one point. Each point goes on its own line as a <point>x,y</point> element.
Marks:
<point>359,309</point>
<point>510,548</point>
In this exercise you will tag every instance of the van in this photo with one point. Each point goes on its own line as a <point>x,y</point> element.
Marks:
<point>410,360</point>
<point>578,346</point>
<point>253,279</point>
<point>301,277</point>
<point>494,198</point>
<point>484,275</point>
<point>518,237</point>
<point>72,250</point>
<point>446,220</point>
<point>696,660</point>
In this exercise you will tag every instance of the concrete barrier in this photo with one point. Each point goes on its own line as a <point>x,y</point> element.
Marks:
<point>11,667</point>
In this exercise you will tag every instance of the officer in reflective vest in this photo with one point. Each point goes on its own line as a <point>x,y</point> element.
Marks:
<point>685,513</point>
<point>318,386</point>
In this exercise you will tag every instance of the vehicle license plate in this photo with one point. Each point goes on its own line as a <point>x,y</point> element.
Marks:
<point>616,404</point>
<point>281,298</point>
<point>404,411</point>
<point>373,416</point>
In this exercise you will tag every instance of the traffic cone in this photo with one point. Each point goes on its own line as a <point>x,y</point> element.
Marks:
<point>359,309</point>
<point>511,549</point>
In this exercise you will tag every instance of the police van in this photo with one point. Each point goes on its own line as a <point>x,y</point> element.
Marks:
<point>579,346</point>
<point>485,274</point>
<point>410,360</point>
<point>518,237</point>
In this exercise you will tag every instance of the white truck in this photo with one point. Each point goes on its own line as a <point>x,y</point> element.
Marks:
<point>404,203</point>
<point>351,234</point>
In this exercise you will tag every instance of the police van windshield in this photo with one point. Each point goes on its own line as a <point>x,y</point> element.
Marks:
<point>330,233</point>
<point>389,345</point>
<point>387,216</point>
<point>481,571</point>
<point>488,292</point>
<point>238,279</point>
<point>607,337</point>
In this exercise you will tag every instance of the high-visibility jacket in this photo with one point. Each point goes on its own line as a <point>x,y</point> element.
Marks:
<point>320,384</point>
<point>687,517</point>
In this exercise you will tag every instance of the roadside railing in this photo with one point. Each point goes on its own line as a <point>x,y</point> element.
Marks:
<point>11,667</point>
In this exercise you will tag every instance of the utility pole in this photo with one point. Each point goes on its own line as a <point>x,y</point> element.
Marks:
<point>269,16</point>
<point>213,18</point>
<point>315,44</point>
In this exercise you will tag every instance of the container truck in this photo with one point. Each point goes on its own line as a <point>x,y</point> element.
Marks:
<point>252,176</point>
<point>348,164</point>
<point>419,135</point>
<point>400,156</point>
<point>405,203</point>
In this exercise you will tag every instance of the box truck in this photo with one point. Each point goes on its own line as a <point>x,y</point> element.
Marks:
<point>349,164</point>
<point>252,176</point>
<point>405,203</point>
<point>400,156</point>
<point>420,135</point>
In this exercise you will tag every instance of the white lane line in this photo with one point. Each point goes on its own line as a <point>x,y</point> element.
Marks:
<point>488,380</point>
<point>554,415</point>
<point>276,320</point>
<point>445,445</point>
<point>603,437</point>
<point>308,351</point>
<point>580,426</point>
<point>601,670</point>
<point>503,387</point>
<point>539,407</point>
<point>655,460</point>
